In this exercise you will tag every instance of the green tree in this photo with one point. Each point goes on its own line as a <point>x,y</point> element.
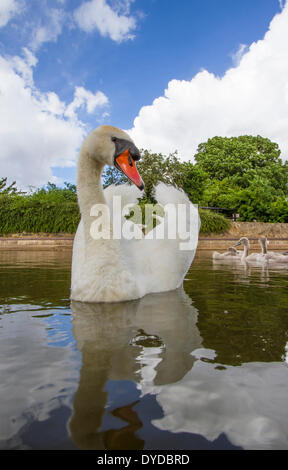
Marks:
<point>52,192</point>
<point>193,181</point>
<point>5,189</point>
<point>113,176</point>
<point>256,201</point>
<point>155,168</point>
<point>221,194</point>
<point>242,159</point>
<point>279,210</point>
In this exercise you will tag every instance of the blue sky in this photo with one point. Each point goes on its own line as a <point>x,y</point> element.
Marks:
<point>121,55</point>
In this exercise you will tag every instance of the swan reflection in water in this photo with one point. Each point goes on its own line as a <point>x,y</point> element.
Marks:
<point>151,349</point>
<point>147,341</point>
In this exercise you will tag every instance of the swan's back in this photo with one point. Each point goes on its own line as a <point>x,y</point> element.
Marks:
<point>231,254</point>
<point>277,258</point>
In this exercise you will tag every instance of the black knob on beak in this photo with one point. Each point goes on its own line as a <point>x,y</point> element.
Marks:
<point>134,152</point>
<point>122,144</point>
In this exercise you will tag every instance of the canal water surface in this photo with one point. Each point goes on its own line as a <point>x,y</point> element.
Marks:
<point>203,367</point>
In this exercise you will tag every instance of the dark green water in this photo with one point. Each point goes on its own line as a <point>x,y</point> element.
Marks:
<point>204,367</point>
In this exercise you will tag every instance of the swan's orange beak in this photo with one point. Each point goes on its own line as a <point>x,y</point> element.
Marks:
<point>125,163</point>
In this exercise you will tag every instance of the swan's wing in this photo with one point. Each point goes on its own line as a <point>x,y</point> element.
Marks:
<point>164,194</point>
<point>164,261</point>
<point>159,263</point>
<point>168,194</point>
<point>128,193</point>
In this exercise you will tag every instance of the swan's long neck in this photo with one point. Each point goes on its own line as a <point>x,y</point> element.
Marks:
<point>104,258</point>
<point>90,193</point>
<point>102,266</point>
<point>89,184</point>
<point>246,251</point>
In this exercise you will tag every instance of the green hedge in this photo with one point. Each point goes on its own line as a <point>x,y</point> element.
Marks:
<point>27,214</point>
<point>21,214</point>
<point>212,222</point>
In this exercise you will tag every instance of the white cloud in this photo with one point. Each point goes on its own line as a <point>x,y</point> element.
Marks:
<point>85,99</point>
<point>251,98</point>
<point>37,131</point>
<point>49,29</point>
<point>8,9</point>
<point>24,65</point>
<point>237,56</point>
<point>115,23</point>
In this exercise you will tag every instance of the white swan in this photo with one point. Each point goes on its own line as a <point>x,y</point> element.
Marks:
<point>262,257</point>
<point>244,255</point>
<point>257,257</point>
<point>113,270</point>
<point>230,254</point>
<point>253,257</point>
<point>272,256</point>
<point>265,255</point>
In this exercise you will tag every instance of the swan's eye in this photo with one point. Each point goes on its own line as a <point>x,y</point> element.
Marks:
<point>113,139</point>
